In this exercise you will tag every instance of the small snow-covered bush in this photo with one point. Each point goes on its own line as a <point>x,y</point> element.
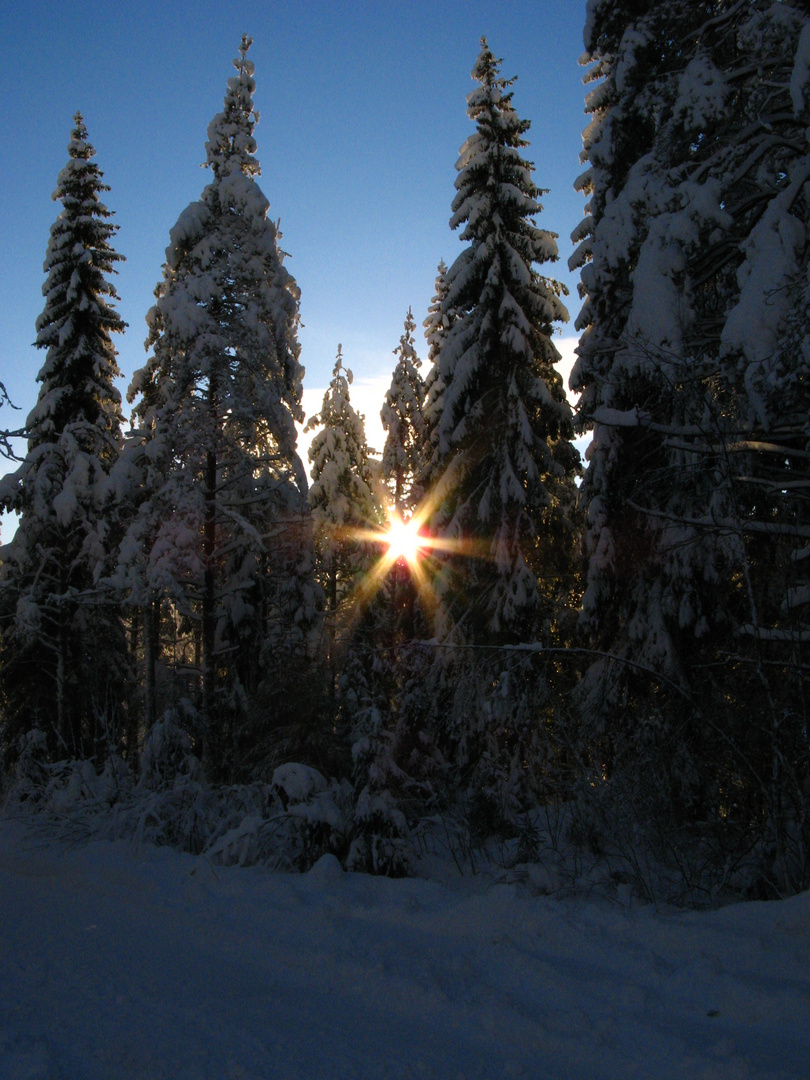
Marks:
<point>32,764</point>
<point>316,813</point>
<point>288,824</point>
<point>305,817</point>
<point>70,796</point>
<point>167,752</point>
<point>296,783</point>
<point>381,841</point>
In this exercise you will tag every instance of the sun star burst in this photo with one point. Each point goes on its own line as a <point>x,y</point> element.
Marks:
<point>411,544</point>
<point>403,540</point>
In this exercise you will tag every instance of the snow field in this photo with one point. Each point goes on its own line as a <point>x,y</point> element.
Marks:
<point>137,962</point>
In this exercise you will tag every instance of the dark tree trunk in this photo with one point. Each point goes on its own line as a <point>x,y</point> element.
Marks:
<point>208,607</point>
<point>151,654</point>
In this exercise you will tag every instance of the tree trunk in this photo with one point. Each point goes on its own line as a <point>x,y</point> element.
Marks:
<point>151,652</point>
<point>208,607</point>
<point>62,711</point>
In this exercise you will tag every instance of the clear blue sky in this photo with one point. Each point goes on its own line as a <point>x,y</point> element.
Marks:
<point>363,112</point>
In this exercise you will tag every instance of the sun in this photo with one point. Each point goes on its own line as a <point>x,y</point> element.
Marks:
<point>409,544</point>
<point>403,540</point>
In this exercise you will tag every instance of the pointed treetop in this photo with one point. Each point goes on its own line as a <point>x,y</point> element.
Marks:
<point>406,350</point>
<point>80,151</point>
<point>486,66</point>
<point>490,103</point>
<point>339,366</point>
<point>231,146</point>
<point>336,400</point>
<point>486,71</point>
<point>403,420</point>
<point>75,324</point>
<point>79,147</point>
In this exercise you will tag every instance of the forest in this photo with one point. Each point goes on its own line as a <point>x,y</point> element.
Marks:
<point>476,641</point>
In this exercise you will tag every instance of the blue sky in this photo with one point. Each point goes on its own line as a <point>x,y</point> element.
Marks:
<point>363,112</point>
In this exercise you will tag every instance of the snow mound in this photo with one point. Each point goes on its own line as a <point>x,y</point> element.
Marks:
<point>326,870</point>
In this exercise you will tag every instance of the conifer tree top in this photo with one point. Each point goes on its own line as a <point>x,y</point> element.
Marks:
<point>77,188</point>
<point>505,310</point>
<point>402,417</point>
<point>340,490</point>
<point>499,421</point>
<point>492,172</point>
<point>231,145</point>
<point>74,327</point>
<point>79,147</point>
<point>485,70</point>
<point>227,309</point>
<point>336,398</point>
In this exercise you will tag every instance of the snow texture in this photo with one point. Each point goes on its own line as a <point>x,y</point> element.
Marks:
<point>131,962</point>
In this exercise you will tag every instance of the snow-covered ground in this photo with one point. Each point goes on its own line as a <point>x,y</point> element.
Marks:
<point>118,961</point>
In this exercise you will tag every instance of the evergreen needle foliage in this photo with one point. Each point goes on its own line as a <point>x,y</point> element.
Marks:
<point>63,666</point>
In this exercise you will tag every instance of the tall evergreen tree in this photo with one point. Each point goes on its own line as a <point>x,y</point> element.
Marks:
<point>403,419</point>
<point>64,660</point>
<point>693,256</point>
<point>633,320</point>
<point>688,254</point>
<point>502,471</point>
<point>223,532</point>
<point>505,430</point>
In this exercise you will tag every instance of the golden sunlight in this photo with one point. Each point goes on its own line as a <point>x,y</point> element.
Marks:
<point>412,543</point>
<point>403,540</point>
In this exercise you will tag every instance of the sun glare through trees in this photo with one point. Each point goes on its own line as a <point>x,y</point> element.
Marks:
<point>471,626</point>
<point>404,540</point>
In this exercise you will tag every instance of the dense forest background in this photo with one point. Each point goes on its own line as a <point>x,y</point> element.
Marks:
<point>232,658</point>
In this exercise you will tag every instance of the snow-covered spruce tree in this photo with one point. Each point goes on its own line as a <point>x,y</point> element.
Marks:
<point>63,658</point>
<point>633,320</point>
<point>396,692</point>
<point>505,431</point>
<point>342,496</point>
<point>224,531</point>
<point>504,466</point>
<point>437,325</point>
<point>404,469</point>
<point>403,420</point>
<point>345,506</point>
<point>365,634</point>
<point>693,256</point>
